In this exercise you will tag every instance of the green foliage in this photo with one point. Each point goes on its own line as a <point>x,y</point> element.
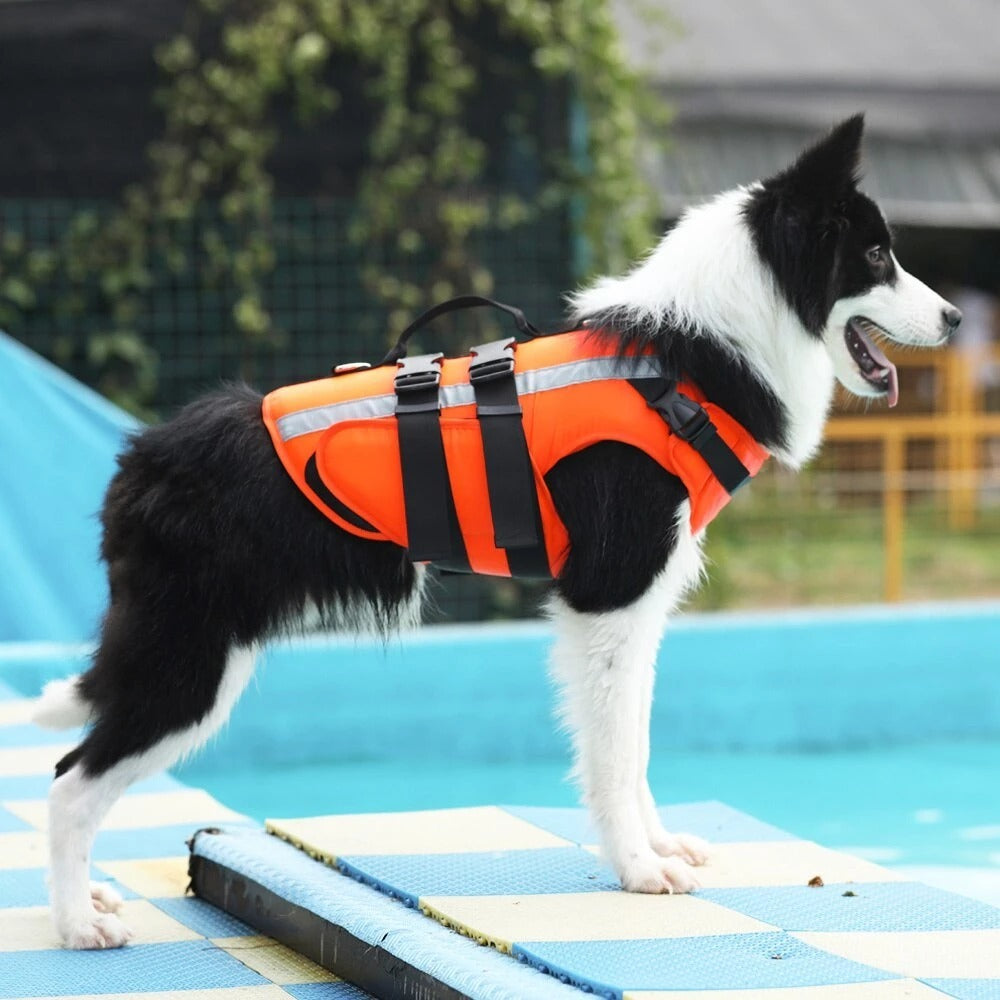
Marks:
<point>425,68</point>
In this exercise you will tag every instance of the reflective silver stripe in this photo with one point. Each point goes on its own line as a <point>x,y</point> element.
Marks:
<point>591,370</point>
<point>318,418</point>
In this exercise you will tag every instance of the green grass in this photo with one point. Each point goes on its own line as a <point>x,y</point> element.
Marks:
<point>775,551</point>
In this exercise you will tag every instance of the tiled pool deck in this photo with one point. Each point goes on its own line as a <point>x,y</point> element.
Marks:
<point>522,880</point>
<point>185,948</point>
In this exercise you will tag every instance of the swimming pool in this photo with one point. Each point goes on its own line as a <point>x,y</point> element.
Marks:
<point>874,729</point>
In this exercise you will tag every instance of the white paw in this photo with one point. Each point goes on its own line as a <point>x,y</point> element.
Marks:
<point>692,849</point>
<point>99,930</point>
<point>650,873</point>
<point>105,897</point>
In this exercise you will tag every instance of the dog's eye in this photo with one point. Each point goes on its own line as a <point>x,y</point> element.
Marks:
<point>874,256</point>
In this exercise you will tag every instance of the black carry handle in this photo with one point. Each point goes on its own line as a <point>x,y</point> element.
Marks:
<point>398,351</point>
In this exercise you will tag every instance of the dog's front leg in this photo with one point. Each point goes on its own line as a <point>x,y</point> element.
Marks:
<point>692,849</point>
<point>603,663</point>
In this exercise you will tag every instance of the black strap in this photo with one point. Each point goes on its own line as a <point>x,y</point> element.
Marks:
<point>690,422</point>
<point>432,530</point>
<point>510,480</point>
<point>398,351</point>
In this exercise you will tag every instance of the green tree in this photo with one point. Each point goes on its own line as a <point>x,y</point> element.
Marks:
<point>446,86</point>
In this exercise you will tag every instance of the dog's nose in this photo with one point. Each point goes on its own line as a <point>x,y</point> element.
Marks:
<point>952,317</point>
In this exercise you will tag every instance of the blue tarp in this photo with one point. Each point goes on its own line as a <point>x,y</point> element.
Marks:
<point>58,441</point>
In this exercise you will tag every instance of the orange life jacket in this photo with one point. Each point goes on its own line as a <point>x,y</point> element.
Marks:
<point>338,439</point>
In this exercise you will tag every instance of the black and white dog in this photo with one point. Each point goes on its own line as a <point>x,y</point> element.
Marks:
<point>762,298</point>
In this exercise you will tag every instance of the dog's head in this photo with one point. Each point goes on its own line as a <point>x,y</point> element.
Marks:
<point>831,252</point>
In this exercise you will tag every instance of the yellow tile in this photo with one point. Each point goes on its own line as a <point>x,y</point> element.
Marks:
<point>223,993</point>
<point>16,712</point>
<point>24,849</point>
<point>30,929</point>
<point>154,878</point>
<point>133,812</point>
<point>585,916</point>
<point>274,961</point>
<point>789,862</point>
<point>27,928</point>
<point>921,954</point>
<point>888,989</point>
<point>15,762</point>
<point>439,831</point>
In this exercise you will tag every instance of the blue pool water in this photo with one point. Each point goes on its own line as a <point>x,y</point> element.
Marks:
<point>928,804</point>
<point>874,729</point>
<point>871,729</point>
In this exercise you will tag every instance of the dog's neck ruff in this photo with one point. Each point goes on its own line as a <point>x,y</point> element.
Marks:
<point>466,434</point>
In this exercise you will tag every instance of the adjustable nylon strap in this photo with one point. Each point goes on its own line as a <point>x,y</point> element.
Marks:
<point>509,476</point>
<point>431,522</point>
<point>690,422</point>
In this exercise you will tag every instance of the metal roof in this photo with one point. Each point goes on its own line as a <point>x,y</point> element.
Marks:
<point>916,182</point>
<point>753,82</point>
<point>924,43</point>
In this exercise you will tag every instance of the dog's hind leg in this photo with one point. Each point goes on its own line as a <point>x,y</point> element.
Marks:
<point>603,662</point>
<point>155,696</point>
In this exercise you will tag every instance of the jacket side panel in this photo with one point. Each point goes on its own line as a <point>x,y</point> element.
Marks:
<point>296,419</point>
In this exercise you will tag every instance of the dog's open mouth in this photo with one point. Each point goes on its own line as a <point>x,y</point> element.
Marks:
<point>875,368</point>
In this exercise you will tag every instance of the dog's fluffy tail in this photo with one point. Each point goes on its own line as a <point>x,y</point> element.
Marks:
<point>61,705</point>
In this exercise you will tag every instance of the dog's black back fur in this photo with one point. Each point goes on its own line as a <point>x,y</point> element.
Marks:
<point>209,545</point>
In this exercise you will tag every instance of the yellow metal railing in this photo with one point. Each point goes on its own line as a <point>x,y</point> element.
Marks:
<point>957,429</point>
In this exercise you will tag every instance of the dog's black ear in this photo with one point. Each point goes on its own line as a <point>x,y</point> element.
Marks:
<point>797,218</point>
<point>828,170</point>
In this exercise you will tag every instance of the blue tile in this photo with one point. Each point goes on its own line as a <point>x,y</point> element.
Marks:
<point>9,823</point>
<point>36,786</point>
<point>572,824</point>
<point>713,962</point>
<point>30,735</point>
<point>875,906</point>
<point>154,842</point>
<point>967,989</point>
<point>27,887</point>
<point>487,873</point>
<point>136,969</point>
<point>715,821</point>
<point>25,786</point>
<point>719,823</point>
<point>203,918</point>
<point>327,991</point>
<point>23,887</point>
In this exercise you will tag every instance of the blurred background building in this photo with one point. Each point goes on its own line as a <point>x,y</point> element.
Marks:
<point>901,505</point>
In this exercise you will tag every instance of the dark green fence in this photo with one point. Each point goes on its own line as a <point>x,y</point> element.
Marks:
<point>320,306</point>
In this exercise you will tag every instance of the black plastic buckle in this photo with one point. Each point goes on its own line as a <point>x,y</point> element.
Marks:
<point>492,361</point>
<point>687,419</point>
<point>697,426</point>
<point>421,372</point>
<point>416,383</point>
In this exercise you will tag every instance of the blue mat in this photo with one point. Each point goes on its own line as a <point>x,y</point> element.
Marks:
<point>181,943</point>
<point>775,913</point>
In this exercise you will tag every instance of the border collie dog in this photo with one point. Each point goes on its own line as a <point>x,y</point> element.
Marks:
<point>762,297</point>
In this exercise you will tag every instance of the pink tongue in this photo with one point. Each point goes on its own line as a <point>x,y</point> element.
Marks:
<point>883,362</point>
<point>893,385</point>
